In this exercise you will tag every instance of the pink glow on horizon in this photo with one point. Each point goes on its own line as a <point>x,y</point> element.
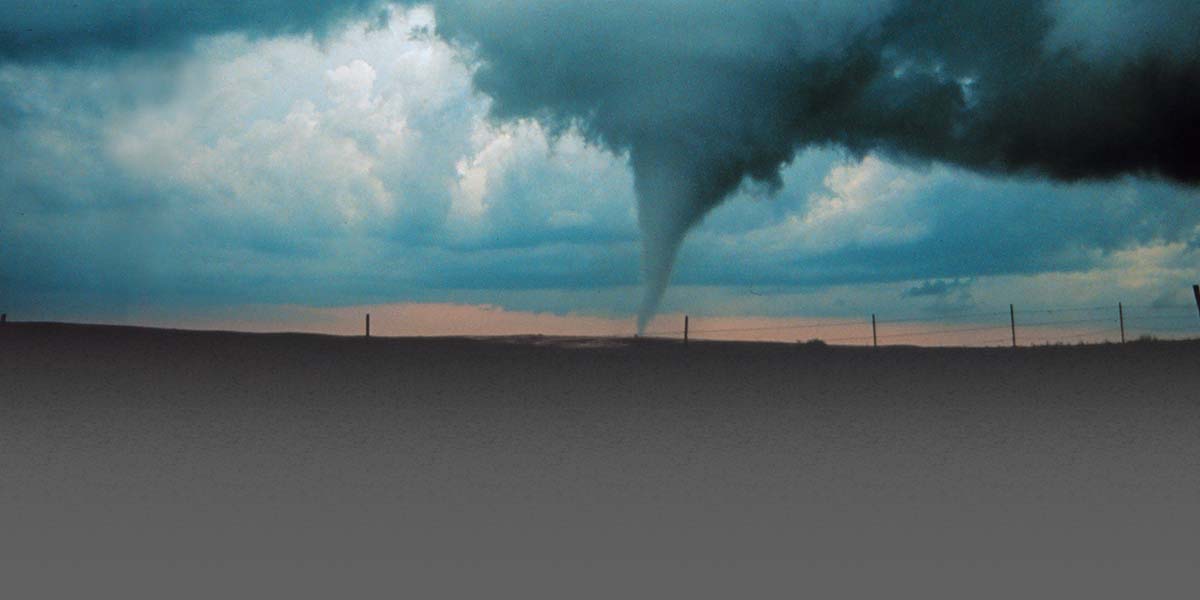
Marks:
<point>446,319</point>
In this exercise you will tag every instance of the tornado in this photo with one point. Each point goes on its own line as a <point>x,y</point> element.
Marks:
<point>703,96</point>
<point>667,208</point>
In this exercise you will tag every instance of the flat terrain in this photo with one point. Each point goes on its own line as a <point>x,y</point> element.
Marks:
<point>126,442</point>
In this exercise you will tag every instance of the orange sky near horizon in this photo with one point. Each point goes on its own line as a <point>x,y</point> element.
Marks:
<point>445,319</point>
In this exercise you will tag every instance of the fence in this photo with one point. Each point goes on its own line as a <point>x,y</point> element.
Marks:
<point>1014,326</point>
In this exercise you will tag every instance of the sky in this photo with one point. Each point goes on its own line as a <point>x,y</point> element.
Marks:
<point>595,167</point>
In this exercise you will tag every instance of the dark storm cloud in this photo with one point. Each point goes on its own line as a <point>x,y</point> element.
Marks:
<point>41,29</point>
<point>705,95</point>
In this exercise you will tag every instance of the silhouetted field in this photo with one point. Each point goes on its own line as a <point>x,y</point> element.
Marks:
<point>126,442</point>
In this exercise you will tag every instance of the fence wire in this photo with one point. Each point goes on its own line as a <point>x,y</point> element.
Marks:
<point>1029,326</point>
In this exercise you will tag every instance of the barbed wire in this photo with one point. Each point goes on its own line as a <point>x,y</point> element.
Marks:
<point>1157,318</point>
<point>940,331</point>
<point>1191,308</point>
<point>1067,322</point>
<point>1030,330</point>
<point>1027,311</point>
<point>942,317</point>
<point>762,328</point>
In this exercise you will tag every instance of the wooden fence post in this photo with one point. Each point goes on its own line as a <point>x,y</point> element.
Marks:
<point>368,324</point>
<point>685,330</point>
<point>874,337</point>
<point>1121,316</point>
<point>1012,322</point>
<point>1196,292</point>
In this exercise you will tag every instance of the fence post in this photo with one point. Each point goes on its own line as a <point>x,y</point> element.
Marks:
<point>368,324</point>
<point>1121,315</point>
<point>1012,322</point>
<point>685,330</point>
<point>1196,292</point>
<point>874,337</point>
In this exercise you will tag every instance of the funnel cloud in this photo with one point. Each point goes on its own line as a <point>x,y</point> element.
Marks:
<point>704,96</point>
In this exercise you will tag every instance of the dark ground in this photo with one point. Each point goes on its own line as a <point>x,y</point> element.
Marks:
<point>126,443</point>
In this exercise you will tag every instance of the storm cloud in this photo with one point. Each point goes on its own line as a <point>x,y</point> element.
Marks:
<point>705,97</point>
<point>74,29</point>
